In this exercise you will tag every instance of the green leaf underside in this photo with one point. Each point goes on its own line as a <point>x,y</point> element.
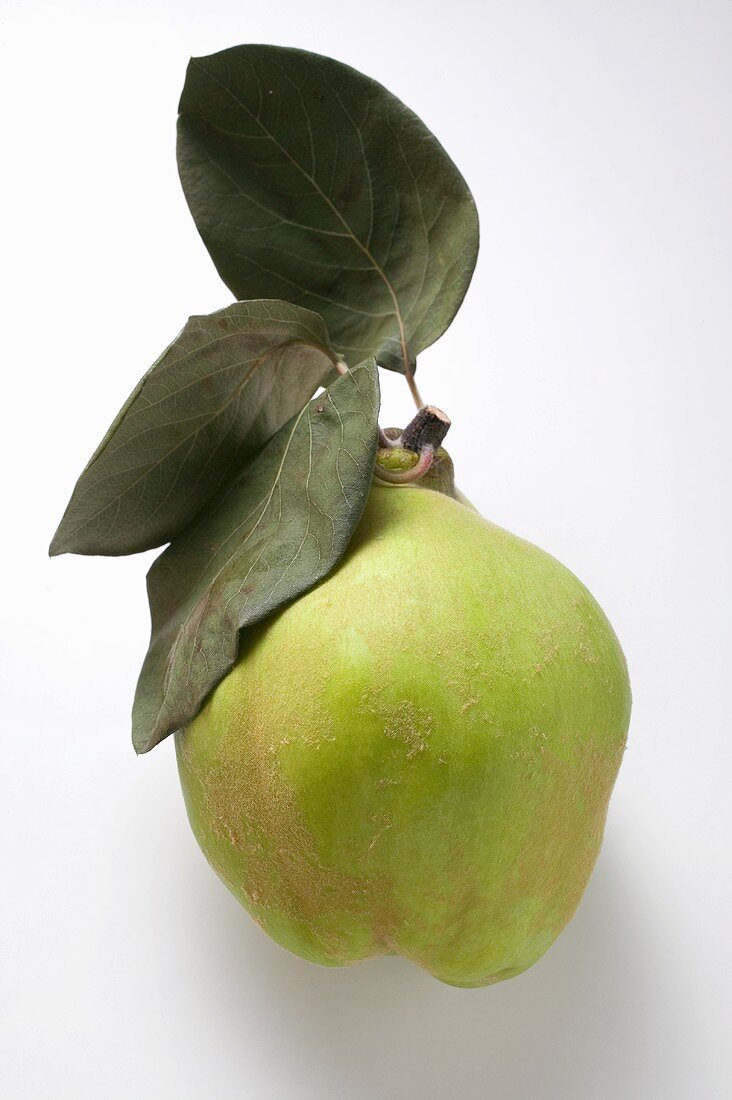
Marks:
<point>311,182</point>
<point>225,385</point>
<point>276,530</point>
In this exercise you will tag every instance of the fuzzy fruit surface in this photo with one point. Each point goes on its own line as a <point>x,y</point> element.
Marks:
<point>416,756</point>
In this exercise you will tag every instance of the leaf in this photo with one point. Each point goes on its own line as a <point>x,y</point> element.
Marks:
<point>224,386</point>
<point>309,181</point>
<point>275,531</point>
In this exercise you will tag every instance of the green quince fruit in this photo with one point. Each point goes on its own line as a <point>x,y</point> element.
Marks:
<point>416,756</point>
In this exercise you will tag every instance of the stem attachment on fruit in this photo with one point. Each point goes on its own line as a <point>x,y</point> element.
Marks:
<point>422,436</point>
<point>407,477</point>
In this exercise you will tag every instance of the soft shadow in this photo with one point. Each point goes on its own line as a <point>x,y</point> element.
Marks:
<point>582,1023</point>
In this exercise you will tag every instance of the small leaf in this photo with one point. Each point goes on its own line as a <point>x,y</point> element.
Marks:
<point>277,529</point>
<point>309,181</point>
<point>224,386</point>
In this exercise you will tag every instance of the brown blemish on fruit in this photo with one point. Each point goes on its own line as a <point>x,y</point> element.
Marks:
<point>558,854</point>
<point>403,722</point>
<point>383,823</point>
<point>249,805</point>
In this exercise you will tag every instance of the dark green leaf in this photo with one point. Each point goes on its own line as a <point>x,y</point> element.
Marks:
<point>309,181</point>
<point>225,385</point>
<point>277,529</point>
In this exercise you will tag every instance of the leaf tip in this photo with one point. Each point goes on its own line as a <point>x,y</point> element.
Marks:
<point>57,547</point>
<point>140,744</point>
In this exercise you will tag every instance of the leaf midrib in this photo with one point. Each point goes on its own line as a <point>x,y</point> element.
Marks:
<point>192,435</point>
<point>265,503</point>
<point>326,199</point>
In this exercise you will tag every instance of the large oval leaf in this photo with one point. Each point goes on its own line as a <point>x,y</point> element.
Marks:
<point>224,386</point>
<point>277,529</point>
<point>311,182</point>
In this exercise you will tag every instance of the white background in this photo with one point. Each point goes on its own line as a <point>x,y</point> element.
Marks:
<point>588,378</point>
